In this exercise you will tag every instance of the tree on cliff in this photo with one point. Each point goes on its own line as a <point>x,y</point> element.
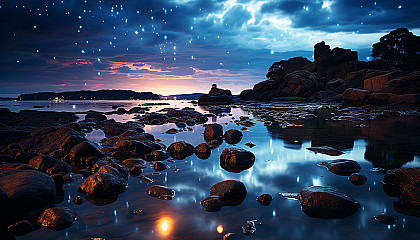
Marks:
<point>400,48</point>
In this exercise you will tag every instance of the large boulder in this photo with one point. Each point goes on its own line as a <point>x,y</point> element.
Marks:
<point>203,151</point>
<point>49,165</point>
<point>28,192</point>
<point>52,141</point>
<point>394,181</point>
<point>236,159</point>
<point>180,150</point>
<point>134,148</point>
<point>233,136</point>
<point>355,97</point>
<point>112,128</point>
<point>326,202</point>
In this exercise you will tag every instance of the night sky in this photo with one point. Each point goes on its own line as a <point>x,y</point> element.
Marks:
<point>178,46</point>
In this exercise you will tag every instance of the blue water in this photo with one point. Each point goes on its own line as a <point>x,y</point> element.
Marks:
<point>283,164</point>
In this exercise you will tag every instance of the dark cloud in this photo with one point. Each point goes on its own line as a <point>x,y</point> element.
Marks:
<point>236,16</point>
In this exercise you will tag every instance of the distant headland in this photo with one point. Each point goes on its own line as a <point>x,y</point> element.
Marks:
<point>91,95</point>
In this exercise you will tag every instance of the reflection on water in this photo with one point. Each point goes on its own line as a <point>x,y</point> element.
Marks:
<point>282,165</point>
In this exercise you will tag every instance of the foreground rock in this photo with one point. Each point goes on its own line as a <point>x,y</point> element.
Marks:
<point>357,179</point>
<point>180,150</point>
<point>326,202</point>
<point>82,151</point>
<point>342,167</point>
<point>28,191</point>
<point>386,218</point>
<point>395,181</point>
<point>57,218</point>
<point>265,199</point>
<point>236,159</point>
<point>213,131</point>
<point>161,192</point>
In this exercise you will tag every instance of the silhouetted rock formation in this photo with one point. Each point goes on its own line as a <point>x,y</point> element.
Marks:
<point>216,96</point>
<point>91,95</point>
<point>337,75</point>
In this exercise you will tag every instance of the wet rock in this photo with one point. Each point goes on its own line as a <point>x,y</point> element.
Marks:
<point>211,204</point>
<point>102,184</point>
<point>342,167</point>
<point>181,124</point>
<point>129,163</point>
<point>326,202</point>
<point>57,218</point>
<point>7,158</point>
<point>233,136</point>
<point>16,166</point>
<point>58,180</point>
<point>49,165</point>
<point>52,141</point>
<point>394,181</point>
<point>249,227</point>
<point>172,131</point>
<point>229,190</point>
<point>21,228</point>
<point>203,151</point>
<point>115,170</point>
<point>250,144</point>
<point>134,148</point>
<point>95,116</point>
<point>159,166</point>
<point>28,191</point>
<point>82,150</point>
<point>120,156</point>
<point>410,195</point>
<point>355,97</point>
<point>75,126</point>
<point>233,236</point>
<point>357,179</point>
<point>265,199</point>
<point>161,192</point>
<point>112,128</point>
<point>180,150</point>
<point>386,218</point>
<point>136,170</point>
<point>22,157</point>
<point>236,159</point>
<point>157,155</point>
<point>326,150</point>
<point>78,200</point>
<point>213,131</point>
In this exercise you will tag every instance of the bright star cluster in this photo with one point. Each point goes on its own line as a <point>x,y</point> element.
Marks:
<point>177,46</point>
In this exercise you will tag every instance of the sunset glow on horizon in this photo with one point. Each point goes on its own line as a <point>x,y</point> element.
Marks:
<point>175,47</point>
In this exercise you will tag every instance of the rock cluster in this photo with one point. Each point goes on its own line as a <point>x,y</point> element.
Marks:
<point>216,96</point>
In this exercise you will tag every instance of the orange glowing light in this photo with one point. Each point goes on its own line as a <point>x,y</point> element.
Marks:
<point>164,226</point>
<point>219,229</point>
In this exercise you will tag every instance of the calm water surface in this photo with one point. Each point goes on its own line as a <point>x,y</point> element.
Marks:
<point>283,164</point>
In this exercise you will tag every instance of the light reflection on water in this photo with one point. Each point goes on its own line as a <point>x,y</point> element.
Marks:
<point>283,164</point>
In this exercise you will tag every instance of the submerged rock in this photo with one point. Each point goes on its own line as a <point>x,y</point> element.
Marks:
<point>326,150</point>
<point>326,202</point>
<point>233,236</point>
<point>249,227</point>
<point>386,218</point>
<point>157,155</point>
<point>357,179</point>
<point>236,159</point>
<point>161,192</point>
<point>57,218</point>
<point>159,166</point>
<point>342,167</point>
<point>180,150</point>
<point>265,199</point>
<point>211,204</point>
